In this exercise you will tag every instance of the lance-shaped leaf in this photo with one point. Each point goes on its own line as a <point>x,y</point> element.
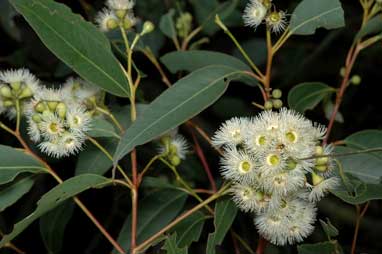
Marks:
<point>10,194</point>
<point>54,198</point>
<point>171,246</point>
<point>76,42</point>
<point>312,14</point>
<point>15,161</point>
<point>373,26</point>
<point>185,99</point>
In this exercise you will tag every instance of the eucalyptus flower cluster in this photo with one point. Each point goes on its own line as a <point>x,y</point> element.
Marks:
<point>263,11</point>
<point>174,147</point>
<point>118,13</point>
<point>17,87</point>
<point>278,171</point>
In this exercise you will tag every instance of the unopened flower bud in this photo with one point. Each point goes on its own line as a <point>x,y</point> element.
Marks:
<point>8,103</point>
<point>61,110</point>
<point>319,150</point>
<point>40,107</point>
<point>321,168</point>
<point>175,160</point>
<point>173,149</point>
<point>16,86</point>
<point>277,104</point>
<point>276,94</point>
<point>111,24</point>
<point>342,71</point>
<point>316,179</point>
<point>291,164</point>
<point>6,92</point>
<point>36,118</point>
<point>356,80</point>
<point>120,13</point>
<point>25,93</point>
<point>268,105</point>
<point>148,27</point>
<point>322,161</point>
<point>52,105</point>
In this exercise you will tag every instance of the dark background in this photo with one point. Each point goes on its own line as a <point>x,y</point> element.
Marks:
<point>311,58</point>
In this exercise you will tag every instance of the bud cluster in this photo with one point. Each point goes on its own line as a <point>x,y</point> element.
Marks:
<point>118,13</point>
<point>263,11</point>
<point>16,87</point>
<point>174,147</point>
<point>278,171</point>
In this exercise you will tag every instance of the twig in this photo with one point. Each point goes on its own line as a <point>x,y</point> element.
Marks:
<point>360,215</point>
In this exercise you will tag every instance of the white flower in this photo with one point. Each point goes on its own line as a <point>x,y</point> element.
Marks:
<point>79,89</point>
<point>106,20</point>
<point>238,166</point>
<point>277,21</point>
<point>77,119</point>
<point>177,146</point>
<point>71,143</point>
<point>120,4</point>
<point>20,76</point>
<point>52,148</point>
<point>248,198</point>
<point>319,190</point>
<point>231,132</point>
<point>33,130</point>
<point>254,13</point>
<point>283,183</point>
<point>51,126</point>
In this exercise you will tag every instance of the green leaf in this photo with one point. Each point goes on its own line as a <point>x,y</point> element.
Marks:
<point>10,194</point>
<point>100,127</point>
<point>330,230</point>
<point>225,213</point>
<point>307,95</point>
<point>365,166</point>
<point>94,161</point>
<point>195,59</point>
<point>317,248</point>
<point>14,162</point>
<point>53,224</point>
<point>76,42</point>
<point>155,211</point>
<point>192,60</point>
<point>171,246</point>
<point>167,25</point>
<point>374,26</point>
<point>312,14</point>
<point>190,229</point>
<point>185,99</point>
<point>54,198</point>
<point>363,192</point>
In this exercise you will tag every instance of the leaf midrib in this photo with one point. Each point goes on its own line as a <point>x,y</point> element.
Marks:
<point>314,18</point>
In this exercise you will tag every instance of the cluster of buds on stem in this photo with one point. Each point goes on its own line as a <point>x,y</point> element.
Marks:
<point>173,147</point>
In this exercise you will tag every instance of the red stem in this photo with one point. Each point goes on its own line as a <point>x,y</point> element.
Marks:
<point>350,60</point>
<point>261,246</point>
<point>134,200</point>
<point>204,162</point>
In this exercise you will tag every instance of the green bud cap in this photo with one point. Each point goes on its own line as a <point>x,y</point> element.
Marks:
<point>277,104</point>
<point>111,24</point>
<point>175,160</point>
<point>52,105</point>
<point>25,93</point>
<point>356,80</point>
<point>36,118</point>
<point>40,107</point>
<point>342,71</point>
<point>16,86</point>
<point>148,27</point>
<point>317,179</point>
<point>8,103</point>
<point>120,13</point>
<point>322,161</point>
<point>6,92</point>
<point>268,105</point>
<point>276,94</point>
<point>291,164</point>
<point>319,150</point>
<point>321,168</point>
<point>61,110</point>
<point>127,24</point>
<point>259,195</point>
